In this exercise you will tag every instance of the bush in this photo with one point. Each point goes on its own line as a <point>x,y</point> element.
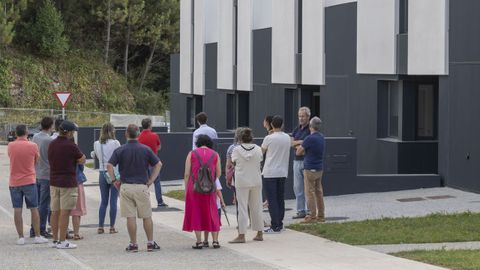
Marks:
<point>48,31</point>
<point>150,102</point>
<point>5,82</point>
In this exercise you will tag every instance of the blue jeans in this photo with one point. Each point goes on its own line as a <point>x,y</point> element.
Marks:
<point>158,187</point>
<point>299,186</point>
<point>107,191</point>
<point>275,189</point>
<point>29,192</point>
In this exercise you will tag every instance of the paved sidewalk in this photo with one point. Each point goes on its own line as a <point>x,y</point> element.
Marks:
<point>427,246</point>
<point>288,250</point>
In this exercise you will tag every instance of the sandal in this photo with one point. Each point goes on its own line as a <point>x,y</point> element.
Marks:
<point>205,244</point>
<point>215,244</point>
<point>100,231</point>
<point>198,245</point>
<point>77,237</point>
<point>113,230</point>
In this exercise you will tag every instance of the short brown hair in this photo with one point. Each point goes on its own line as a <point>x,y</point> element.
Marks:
<point>201,118</point>
<point>246,135</point>
<point>132,131</point>
<point>46,123</point>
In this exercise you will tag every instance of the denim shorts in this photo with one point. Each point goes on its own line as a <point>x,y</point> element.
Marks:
<point>29,192</point>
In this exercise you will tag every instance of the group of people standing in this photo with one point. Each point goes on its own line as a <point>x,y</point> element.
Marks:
<point>251,169</point>
<point>48,174</point>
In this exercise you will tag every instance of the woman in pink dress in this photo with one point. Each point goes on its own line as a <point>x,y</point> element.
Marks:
<point>201,213</point>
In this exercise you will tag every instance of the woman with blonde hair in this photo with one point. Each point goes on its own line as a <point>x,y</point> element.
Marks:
<point>103,150</point>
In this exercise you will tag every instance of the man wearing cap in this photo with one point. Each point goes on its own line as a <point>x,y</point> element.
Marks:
<point>63,156</point>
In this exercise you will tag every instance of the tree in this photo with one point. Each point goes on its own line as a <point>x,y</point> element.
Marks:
<point>48,31</point>
<point>10,13</point>
<point>112,12</point>
<point>161,24</point>
<point>135,10</point>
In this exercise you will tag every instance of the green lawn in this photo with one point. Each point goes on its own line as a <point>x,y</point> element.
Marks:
<point>176,194</point>
<point>452,259</point>
<point>429,229</point>
<point>90,165</point>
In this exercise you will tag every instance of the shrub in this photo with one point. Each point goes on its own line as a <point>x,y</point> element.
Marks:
<point>48,31</point>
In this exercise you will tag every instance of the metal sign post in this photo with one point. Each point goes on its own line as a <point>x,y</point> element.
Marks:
<point>63,98</point>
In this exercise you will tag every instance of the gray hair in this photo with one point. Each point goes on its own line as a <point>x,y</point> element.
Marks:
<point>238,135</point>
<point>315,123</point>
<point>305,110</point>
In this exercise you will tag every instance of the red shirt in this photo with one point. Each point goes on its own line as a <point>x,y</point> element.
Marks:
<point>150,139</point>
<point>62,156</point>
<point>23,155</point>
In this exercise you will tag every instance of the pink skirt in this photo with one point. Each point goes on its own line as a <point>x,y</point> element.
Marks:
<point>81,209</point>
<point>201,212</point>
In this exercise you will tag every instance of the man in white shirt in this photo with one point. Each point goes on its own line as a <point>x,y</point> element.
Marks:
<point>203,128</point>
<point>275,171</point>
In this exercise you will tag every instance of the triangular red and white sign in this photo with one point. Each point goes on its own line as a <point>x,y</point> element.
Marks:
<point>63,97</point>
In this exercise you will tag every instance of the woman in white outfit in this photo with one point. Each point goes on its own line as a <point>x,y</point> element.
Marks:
<point>103,150</point>
<point>248,183</point>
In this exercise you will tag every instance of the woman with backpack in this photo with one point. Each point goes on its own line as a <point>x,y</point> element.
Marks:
<point>202,167</point>
<point>247,157</point>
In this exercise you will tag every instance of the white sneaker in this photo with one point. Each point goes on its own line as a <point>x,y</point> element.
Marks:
<point>66,245</point>
<point>21,241</point>
<point>54,244</point>
<point>40,240</point>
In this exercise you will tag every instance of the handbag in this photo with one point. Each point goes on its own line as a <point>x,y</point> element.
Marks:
<point>105,173</point>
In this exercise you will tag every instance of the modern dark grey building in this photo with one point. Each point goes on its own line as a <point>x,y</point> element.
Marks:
<point>402,77</point>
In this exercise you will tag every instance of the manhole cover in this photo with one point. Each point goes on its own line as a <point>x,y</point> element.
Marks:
<point>336,218</point>
<point>440,197</point>
<point>416,199</point>
<point>166,209</point>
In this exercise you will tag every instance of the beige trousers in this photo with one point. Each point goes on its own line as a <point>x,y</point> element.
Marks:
<point>249,199</point>
<point>314,193</point>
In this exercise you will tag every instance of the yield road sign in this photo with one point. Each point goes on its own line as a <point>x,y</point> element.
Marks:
<point>63,97</point>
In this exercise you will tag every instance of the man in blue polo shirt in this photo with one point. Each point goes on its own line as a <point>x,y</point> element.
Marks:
<point>133,160</point>
<point>313,148</point>
<point>298,135</point>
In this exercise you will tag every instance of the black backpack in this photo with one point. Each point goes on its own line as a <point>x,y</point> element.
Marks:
<point>204,183</point>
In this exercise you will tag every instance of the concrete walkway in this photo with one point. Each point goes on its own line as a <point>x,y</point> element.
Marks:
<point>288,250</point>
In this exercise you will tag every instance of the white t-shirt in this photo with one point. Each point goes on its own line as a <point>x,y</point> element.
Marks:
<point>278,155</point>
<point>108,149</point>
<point>219,187</point>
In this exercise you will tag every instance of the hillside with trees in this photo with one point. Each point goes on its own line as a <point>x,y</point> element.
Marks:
<point>112,54</point>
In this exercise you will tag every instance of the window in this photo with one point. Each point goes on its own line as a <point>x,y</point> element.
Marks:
<point>243,107</point>
<point>389,109</point>
<point>238,105</point>
<point>394,112</point>
<point>194,106</point>
<point>425,112</point>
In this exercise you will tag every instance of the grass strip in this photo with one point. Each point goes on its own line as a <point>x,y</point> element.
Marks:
<point>452,259</point>
<point>176,194</point>
<point>433,228</point>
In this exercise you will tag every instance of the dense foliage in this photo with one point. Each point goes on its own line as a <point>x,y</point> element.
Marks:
<point>92,48</point>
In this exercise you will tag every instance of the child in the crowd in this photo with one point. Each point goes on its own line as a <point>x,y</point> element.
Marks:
<point>220,205</point>
<point>81,208</point>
